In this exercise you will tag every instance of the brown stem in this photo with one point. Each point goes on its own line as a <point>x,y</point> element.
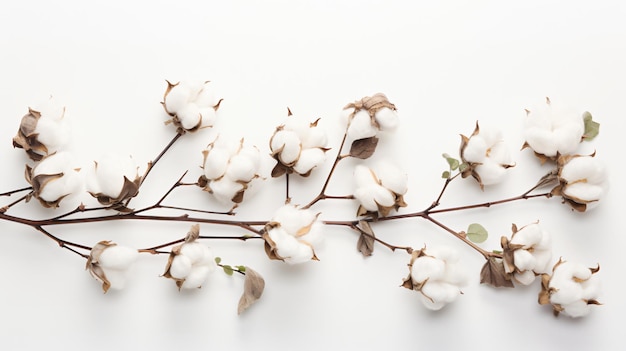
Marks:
<point>322,193</point>
<point>392,247</point>
<point>9,193</point>
<point>64,243</point>
<point>5,208</point>
<point>462,237</point>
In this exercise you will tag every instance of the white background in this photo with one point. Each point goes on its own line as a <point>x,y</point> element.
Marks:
<point>444,64</point>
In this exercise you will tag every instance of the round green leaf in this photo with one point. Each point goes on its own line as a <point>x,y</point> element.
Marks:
<point>477,233</point>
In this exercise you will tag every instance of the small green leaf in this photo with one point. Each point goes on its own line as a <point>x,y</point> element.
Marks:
<point>463,166</point>
<point>477,233</point>
<point>452,162</point>
<point>592,128</point>
<point>445,175</point>
<point>228,269</point>
<point>218,260</point>
<point>241,269</point>
<point>497,251</point>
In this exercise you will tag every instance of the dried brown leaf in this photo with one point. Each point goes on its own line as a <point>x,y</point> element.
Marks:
<point>493,274</point>
<point>363,148</point>
<point>252,290</point>
<point>366,241</point>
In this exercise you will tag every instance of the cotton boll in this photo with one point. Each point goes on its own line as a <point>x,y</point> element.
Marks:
<point>117,257</point>
<point>309,159</point>
<point>287,144</point>
<point>52,133</point>
<point>315,138</point>
<point>116,278</point>
<point>194,251</point>
<point>383,196</point>
<point>196,277</point>
<point>490,172</point>
<point>392,178</point>
<point>208,116</point>
<point>216,163</point>
<point>206,96</point>
<point>189,116</point>
<point>361,126</point>
<point>475,150</point>
<point>427,267</point>
<point>387,118</point>
<point>225,189</point>
<point>180,267</point>
<point>363,176</point>
<point>177,98</point>
<point>241,168</point>
<point>298,125</point>
<point>525,278</point>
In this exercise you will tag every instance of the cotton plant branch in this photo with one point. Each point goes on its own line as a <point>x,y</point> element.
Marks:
<point>299,147</point>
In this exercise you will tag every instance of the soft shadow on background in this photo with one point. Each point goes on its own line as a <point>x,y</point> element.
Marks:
<point>444,64</point>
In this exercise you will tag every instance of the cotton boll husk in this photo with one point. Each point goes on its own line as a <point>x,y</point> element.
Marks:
<point>117,257</point>
<point>289,142</point>
<point>309,159</point>
<point>241,168</point>
<point>70,183</point>
<point>177,98</point>
<point>196,277</point>
<point>387,119</point>
<point>180,267</point>
<point>361,126</point>
<point>392,178</point>
<point>427,267</point>
<point>225,189</point>
<point>189,116</point>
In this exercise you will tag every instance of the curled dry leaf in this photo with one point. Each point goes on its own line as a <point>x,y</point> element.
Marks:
<point>493,274</point>
<point>252,290</point>
<point>365,244</point>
